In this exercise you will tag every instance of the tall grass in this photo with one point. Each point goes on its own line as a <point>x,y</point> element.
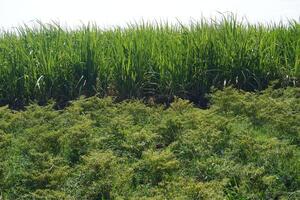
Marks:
<point>50,61</point>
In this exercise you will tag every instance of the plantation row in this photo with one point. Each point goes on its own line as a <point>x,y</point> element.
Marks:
<point>245,146</point>
<point>146,60</point>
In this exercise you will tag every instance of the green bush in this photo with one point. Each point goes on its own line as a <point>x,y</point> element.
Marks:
<point>245,146</point>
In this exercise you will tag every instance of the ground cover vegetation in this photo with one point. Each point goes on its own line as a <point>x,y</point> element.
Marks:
<point>114,124</point>
<point>145,60</point>
<point>245,146</point>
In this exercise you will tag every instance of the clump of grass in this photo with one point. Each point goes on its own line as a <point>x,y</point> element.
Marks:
<point>145,60</point>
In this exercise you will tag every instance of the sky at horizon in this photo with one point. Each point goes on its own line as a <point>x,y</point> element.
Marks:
<point>120,12</point>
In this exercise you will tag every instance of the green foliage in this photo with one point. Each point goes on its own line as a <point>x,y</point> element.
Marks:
<point>95,177</point>
<point>277,110</point>
<point>155,166</point>
<point>74,141</point>
<point>48,61</point>
<point>245,146</point>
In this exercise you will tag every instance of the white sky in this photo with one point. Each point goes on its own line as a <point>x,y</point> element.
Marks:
<point>120,12</point>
